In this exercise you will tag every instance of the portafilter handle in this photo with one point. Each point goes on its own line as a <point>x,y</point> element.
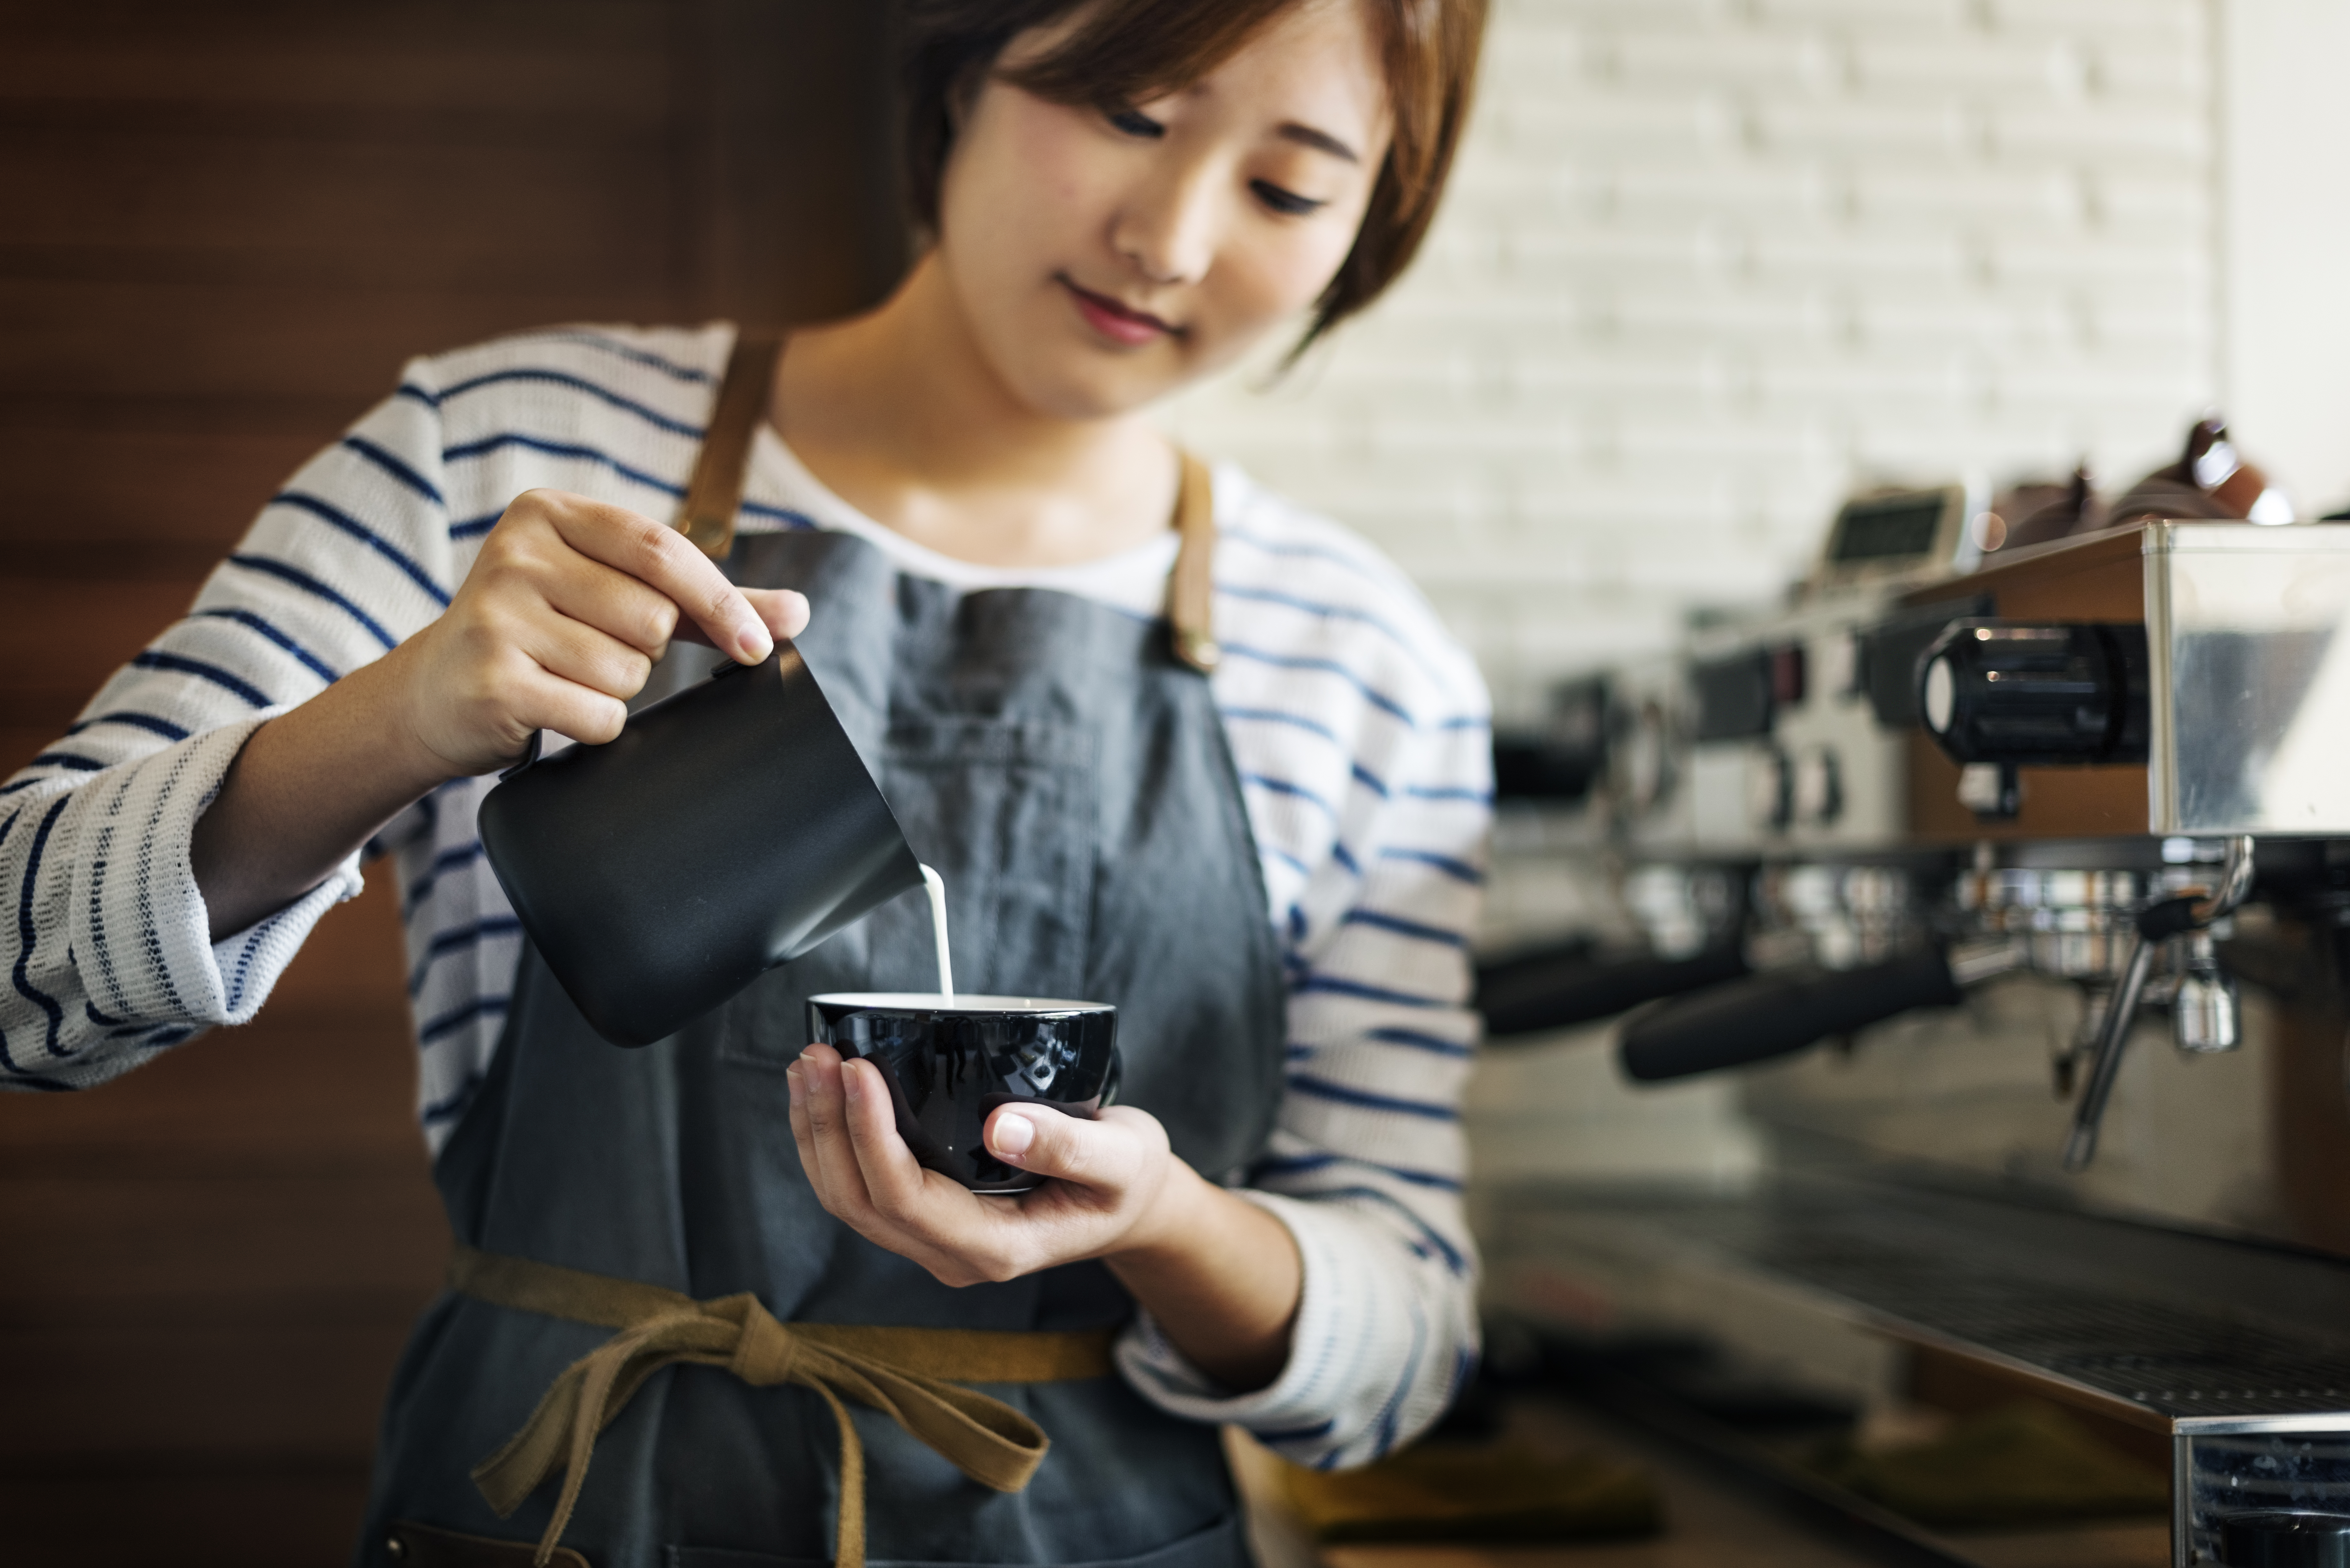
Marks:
<point>2155,924</point>
<point>1779,1013</point>
<point>1539,992</point>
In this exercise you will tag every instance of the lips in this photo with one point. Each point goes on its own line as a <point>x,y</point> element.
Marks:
<point>1120,324</point>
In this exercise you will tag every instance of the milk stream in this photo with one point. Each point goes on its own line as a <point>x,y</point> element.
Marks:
<point>938,891</point>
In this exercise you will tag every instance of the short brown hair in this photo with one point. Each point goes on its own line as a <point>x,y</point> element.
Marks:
<point>1126,51</point>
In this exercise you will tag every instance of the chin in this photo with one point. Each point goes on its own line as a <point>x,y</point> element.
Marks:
<point>1071,389</point>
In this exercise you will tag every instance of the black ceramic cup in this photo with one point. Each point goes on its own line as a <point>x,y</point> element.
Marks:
<point>950,1061</point>
<point>728,829</point>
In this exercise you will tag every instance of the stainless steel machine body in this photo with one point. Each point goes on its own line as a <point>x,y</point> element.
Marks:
<point>1985,832</point>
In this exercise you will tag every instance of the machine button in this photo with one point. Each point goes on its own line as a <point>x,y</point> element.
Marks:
<point>1818,788</point>
<point>1840,663</point>
<point>1789,676</point>
<point>1641,765</point>
<point>1735,695</point>
<point>1770,789</point>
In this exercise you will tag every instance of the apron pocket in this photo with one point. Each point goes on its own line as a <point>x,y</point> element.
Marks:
<point>1222,1544</point>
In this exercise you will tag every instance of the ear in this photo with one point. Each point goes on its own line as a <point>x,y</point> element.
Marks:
<point>963,94</point>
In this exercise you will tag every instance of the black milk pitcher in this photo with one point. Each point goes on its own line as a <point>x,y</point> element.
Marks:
<point>727,829</point>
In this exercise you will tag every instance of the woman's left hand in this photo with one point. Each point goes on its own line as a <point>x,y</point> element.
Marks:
<point>1117,1185</point>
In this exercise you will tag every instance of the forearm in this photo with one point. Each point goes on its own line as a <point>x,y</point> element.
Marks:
<point>307,789</point>
<point>1221,1276</point>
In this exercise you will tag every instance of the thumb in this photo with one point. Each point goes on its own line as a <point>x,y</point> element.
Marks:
<point>1038,1138</point>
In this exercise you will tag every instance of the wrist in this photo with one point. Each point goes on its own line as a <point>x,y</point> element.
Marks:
<point>1173,1216</point>
<point>1222,1278</point>
<point>387,691</point>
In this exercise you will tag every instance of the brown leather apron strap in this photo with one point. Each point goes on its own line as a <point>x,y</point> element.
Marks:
<point>987,1439</point>
<point>1191,586</point>
<point>715,492</point>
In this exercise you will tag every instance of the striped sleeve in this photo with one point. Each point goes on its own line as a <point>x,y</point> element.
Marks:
<point>1361,735</point>
<point>107,940</point>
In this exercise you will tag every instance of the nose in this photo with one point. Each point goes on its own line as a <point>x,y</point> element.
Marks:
<point>1166,226</point>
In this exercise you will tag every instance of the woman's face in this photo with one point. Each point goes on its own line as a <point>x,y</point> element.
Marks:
<point>1104,256</point>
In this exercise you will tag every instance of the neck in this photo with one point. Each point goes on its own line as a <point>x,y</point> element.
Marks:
<point>901,415</point>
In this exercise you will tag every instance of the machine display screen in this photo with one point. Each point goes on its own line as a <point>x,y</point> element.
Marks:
<point>1897,526</point>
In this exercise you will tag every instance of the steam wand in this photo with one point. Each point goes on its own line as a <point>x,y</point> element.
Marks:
<point>2155,924</point>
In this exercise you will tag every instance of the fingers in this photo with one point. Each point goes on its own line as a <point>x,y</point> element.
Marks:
<point>893,1179</point>
<point>549,701</point>
<point>615,604</point>
<point>783,612</point>
<point>518,659</point>
<point>559,621</point>
<point>574,651</point>
<point>864,1175</point>
<point>659,555</point>
<point>819,1124</point>
<point>847,1132</point>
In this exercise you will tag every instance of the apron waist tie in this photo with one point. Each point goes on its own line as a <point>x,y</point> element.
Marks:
<point>907,1374</point>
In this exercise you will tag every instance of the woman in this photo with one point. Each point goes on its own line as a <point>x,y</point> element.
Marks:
<point>958,508</point>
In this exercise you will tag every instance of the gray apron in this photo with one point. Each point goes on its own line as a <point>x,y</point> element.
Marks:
<point>1071,782</point>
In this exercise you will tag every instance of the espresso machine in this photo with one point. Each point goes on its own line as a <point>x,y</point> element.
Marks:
<point>2012,885</point>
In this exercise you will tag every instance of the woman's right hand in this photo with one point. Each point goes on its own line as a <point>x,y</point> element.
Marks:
<point>567,607</point>
<point>559,623</point>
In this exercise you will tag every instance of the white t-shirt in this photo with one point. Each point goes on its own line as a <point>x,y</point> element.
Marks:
<point>1133,580</point>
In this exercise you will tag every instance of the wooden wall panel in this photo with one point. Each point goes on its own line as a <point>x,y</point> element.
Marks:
<point>79,490</point>
<point>224,226</point>
<point>212,1264</point>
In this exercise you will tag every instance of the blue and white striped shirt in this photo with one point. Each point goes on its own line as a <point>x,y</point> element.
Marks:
<point>1359,728</point>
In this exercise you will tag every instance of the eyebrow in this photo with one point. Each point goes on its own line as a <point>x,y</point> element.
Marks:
<point>1320,140</point>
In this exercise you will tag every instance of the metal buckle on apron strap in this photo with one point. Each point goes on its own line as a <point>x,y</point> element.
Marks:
<point>908,1374</point>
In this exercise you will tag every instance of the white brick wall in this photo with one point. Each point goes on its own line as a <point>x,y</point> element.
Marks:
<point>1708,264</point>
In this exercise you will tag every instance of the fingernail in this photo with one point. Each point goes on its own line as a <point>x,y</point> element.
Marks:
<point>792,1078</point>
<point>754,643</point>
<point>1013,1133</point>
<point>852,1082</point>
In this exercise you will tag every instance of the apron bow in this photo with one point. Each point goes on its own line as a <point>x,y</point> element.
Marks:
<point>985,1439</point>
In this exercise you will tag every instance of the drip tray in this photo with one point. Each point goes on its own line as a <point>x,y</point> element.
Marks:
<point>1823,1298</point>
<point>2169,1331</point>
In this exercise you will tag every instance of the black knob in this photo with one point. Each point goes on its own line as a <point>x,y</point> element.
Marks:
<point>2005,692</point>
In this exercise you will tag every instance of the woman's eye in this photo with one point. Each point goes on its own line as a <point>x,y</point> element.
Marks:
<point>1282,200</point>
<point>1134,122</point>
